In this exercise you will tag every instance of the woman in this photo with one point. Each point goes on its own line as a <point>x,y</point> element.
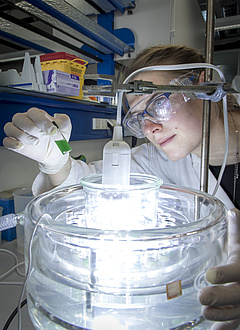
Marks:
<point>182,135</point>
<point>173,154</point>
<point>179,137</point>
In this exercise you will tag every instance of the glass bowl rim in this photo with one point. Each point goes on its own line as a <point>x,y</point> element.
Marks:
<point>189,229</point>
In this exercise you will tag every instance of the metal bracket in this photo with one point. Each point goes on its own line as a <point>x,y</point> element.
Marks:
<point>140,87</point>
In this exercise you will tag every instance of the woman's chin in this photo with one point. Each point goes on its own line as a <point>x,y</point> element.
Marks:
<point>174,156</point>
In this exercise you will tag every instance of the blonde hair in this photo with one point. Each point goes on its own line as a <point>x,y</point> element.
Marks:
<point>174,54</point>
<point>165,55</point>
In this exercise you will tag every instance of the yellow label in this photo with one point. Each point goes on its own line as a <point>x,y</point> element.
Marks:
<point>75,70</point>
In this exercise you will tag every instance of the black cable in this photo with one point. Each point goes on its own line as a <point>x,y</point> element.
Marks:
<point>14,313</point>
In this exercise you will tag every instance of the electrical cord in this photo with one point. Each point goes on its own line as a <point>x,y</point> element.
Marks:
<point>11,270</point>
<point>20,303</point>
<point>29,267</point>
<point>14,313</point>
<point>7,273</point>
<point>17,264</point>
<point>11,283</point>
<point>225,116</point>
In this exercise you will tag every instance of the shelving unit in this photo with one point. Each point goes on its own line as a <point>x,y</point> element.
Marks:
<point>36,24</point>
<point>80,27</point>
<point>80,112</point>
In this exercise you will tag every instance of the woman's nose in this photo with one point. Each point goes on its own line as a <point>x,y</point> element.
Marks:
<point>151,128</point>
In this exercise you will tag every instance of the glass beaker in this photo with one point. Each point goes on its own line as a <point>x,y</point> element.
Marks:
<point>124,207</point>
<point>83,275</point>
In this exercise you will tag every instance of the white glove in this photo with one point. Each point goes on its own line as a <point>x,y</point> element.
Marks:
<point>33,135</point>
<point>222,302</point>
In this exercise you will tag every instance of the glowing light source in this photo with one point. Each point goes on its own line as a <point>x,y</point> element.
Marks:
<point>105,255</point>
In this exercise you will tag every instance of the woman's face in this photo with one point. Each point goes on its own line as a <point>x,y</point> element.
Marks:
<point>180,135</point>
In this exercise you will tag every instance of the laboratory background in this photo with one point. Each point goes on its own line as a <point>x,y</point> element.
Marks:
<point>99,38</point>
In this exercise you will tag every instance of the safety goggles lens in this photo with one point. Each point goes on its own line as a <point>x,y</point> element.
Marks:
<point>161,108</point>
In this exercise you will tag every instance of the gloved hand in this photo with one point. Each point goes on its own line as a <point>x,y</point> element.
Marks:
<point>222,302</point>
<point>33,135</point>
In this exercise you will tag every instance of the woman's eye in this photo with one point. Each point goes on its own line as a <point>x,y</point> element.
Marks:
<point>158,104</point>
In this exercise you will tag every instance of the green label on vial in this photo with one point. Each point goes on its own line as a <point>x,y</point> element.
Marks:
<point>63,146</point>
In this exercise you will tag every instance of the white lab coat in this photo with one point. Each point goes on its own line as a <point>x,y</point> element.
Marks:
<point>145,159</point>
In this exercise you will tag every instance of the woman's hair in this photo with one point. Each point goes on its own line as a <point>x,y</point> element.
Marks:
<point>171,55</point>
<point>165,55</point>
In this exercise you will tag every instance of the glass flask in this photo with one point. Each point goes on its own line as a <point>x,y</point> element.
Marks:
<point>106,257</point>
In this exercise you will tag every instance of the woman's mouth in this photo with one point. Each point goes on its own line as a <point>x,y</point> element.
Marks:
<point>166,141</point>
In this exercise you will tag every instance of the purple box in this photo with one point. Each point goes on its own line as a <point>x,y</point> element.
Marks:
<point>60,82</point>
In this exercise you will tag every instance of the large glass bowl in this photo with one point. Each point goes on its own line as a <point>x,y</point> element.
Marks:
<point>140,269</point>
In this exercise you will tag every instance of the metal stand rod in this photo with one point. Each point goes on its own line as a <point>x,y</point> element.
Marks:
<point>207,104</point>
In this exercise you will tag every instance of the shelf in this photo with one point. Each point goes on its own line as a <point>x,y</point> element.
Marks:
<point>81,112</point>
<point>33,24</point>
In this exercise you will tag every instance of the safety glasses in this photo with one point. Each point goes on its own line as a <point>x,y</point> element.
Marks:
<point>158,108</point>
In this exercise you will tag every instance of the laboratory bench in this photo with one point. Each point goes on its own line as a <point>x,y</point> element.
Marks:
<point>10,294</point>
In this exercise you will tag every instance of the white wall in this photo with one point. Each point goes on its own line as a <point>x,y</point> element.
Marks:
<point>163,22</point>
<point>149,23</point>
<point>188,24</point>
<point>19,171</point>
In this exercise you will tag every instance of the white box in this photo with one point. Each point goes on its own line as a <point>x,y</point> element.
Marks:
<point>60,82</point>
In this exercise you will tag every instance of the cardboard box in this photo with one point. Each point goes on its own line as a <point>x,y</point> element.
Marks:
<point>65,62</point>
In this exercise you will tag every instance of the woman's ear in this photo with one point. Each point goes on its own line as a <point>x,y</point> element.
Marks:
<point>201,78</point>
